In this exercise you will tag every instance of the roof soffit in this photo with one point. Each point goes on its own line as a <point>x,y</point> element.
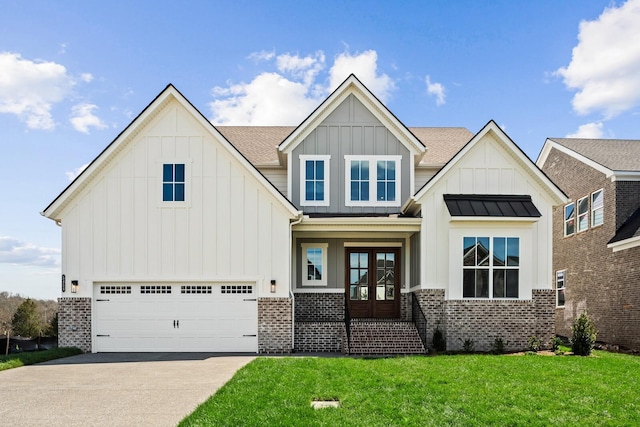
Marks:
<point>352,86</point>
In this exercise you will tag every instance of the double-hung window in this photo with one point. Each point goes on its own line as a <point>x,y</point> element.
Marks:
<point>372,180</point>
<point>569,219</point>
<point>560,287</point>
<point>583,214</point>
<point>314,264</point>
<point>597,208</point>
<point>314,180</point>
<point>173,182</point>
<point>491,267</point>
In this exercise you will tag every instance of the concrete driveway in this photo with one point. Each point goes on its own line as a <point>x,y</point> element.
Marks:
<point>113,389</point>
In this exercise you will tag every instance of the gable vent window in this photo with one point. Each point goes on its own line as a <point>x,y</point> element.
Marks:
<point>155,289</point>
<point>115,289</point>
<point>195,289</point>
<point>173,182</point>
<point>237,289</point>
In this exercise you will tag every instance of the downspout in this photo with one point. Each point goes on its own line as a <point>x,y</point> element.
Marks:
<point>291,276</point>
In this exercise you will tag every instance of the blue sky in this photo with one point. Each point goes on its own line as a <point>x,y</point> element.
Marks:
<point>74,74</point>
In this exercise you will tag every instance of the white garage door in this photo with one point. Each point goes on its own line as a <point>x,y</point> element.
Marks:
<point>208,317</point>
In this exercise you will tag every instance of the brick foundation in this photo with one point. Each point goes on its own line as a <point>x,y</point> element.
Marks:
<point>485,320</point>
<point>74,323</point>
<point>274,325</point>
<point>319,307</point>
<point>319,336</point>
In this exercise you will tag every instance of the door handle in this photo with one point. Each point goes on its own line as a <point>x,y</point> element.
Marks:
<point>178,323</point>
<point>174,324</point>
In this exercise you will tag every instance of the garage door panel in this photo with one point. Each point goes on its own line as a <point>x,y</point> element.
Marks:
<point>176,317</point>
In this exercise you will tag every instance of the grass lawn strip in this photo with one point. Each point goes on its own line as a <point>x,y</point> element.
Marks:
<point>470,390</point>
<point>21,359</point>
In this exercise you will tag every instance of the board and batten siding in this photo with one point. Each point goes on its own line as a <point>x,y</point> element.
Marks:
<point>277,177</point>
<point>487,168</point>
<point>349,130</point>
<point>230,227</point>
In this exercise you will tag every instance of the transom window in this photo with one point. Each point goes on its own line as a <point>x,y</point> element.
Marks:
<point>314,264</point>
<point>560,287</point>
<point>314,180</point>
<point>372,180</point>
<point>173,182</point>
<point>491,267</point>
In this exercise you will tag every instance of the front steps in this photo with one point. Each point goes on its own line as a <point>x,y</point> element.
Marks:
<point>383,337</point>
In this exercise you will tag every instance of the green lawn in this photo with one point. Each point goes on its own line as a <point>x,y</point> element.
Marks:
<point>29,358</point>
<point>420,391</point>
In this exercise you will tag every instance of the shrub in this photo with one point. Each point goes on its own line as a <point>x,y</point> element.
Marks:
<point>498,346</point>
<point>467,345</point>
<point>555,343</point>
<point>439,342</point>
<point>583,335</point>
<point>534,344</point>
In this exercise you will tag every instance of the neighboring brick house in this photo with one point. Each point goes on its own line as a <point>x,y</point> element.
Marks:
<point>596,236</point>
<point>348,232</point>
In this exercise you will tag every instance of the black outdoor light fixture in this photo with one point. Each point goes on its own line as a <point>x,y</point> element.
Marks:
<point>64,283</point>
<point>74,286</point>
<point>273,286</point>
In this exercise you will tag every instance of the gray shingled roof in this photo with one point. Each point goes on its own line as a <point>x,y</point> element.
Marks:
<point>259,144</point>
<point>614,154</point>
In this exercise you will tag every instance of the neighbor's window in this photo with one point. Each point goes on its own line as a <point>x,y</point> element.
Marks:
<point>372,180</point>
<point>583,214</point>
<point>597,208</point>
<point>314,180</point>
<point>173,182</point>
<point>491,267</point>
<point>560,287</point>
<point>569,219</point>
<point>314,264</point>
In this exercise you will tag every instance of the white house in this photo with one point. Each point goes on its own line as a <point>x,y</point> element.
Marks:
<point>181,236</point>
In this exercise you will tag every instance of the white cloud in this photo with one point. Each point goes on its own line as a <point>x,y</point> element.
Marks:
<point>605,64</point>
<point>263,55</point>
<point>288,94</point>
<point>83,118</point>
<point>435,89</point>
<point>86,77</point>
<point>589,130</point>
<point>365,67</point>
<point>74,173</point>
<point>29,89</point>
<point>13,251</point>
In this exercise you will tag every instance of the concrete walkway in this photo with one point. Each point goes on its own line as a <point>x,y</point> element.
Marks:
<point>113,389</point>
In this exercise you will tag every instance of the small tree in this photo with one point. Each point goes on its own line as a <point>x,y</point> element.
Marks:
<point>583,336</point>
<point>26,320</point>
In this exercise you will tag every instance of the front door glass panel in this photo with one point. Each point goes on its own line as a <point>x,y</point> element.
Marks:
<point>385,276</point>
<point>359,276</point>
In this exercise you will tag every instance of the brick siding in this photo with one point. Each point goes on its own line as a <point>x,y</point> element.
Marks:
<point>482,321</point>
<point>319,336</point>
<point>319,307</point>
<point>74,323</point>
<point>274,325</point>
<point>603,283</point>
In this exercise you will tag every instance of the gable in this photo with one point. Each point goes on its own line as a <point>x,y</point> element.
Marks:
<point>491,164</point>
<point>170,127</point>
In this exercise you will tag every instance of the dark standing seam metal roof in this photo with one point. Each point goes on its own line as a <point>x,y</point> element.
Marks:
<point>630,228</point>
<point>490,205</point>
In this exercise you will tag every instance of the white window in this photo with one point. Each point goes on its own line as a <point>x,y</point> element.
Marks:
<point>314,180</point>
<point>569,219</point>
<point>560,287</point>
<point>583,214</point>
<point>491,267</point>
<point>597,208</point>
<point>372,180</point>
<point>314,264</point>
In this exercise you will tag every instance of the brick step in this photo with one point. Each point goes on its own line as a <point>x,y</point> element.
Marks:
<point>385,337</point>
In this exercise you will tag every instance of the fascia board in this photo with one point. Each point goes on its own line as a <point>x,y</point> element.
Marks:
<point>624,244</point>
<point>550,143</point>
